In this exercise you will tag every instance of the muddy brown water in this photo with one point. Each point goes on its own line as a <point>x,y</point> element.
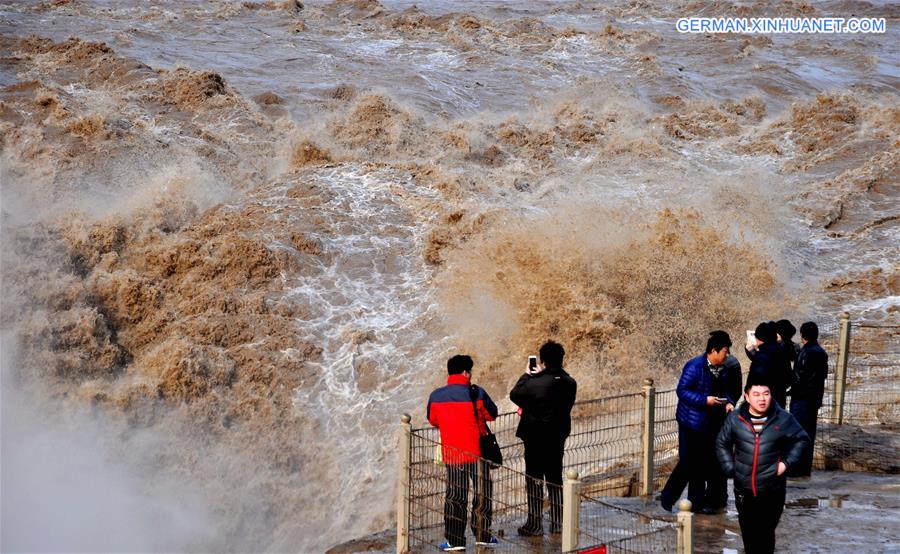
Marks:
<point>241,237</point>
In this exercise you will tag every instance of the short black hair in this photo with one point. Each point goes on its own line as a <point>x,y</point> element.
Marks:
<point>552,354</point>
<point>717,341</point>
<point>756,380</point>
<point>459,363</point>
<point>809,331</point>
<point>786,329</point>
<point>765,332</point>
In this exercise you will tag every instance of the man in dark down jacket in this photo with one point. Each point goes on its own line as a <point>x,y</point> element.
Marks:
<point>786,332</point>
<point>546,398</point>
<point>770,362</point>
<point>757,444</point>
<point>452,410</point>
<point>709,388</point>
<point>810,372</point>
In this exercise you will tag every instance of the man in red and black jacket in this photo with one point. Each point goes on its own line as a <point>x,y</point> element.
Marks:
<point>453,409</point>
<point>757,444</point>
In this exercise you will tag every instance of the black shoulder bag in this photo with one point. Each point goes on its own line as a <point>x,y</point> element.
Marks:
<point>490,449</point>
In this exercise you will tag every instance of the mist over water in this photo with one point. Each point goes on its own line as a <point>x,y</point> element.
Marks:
<point>84,484</point>
<point>240,238</point>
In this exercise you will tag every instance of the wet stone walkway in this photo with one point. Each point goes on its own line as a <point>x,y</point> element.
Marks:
<point>830,512</point>
<point>833,511</point>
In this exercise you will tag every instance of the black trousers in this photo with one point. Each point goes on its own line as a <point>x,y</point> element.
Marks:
<point>759,516</point>
<point>806,411</point>
<point>544,461</point>
<point>698,468</point>
<point>457,498</point>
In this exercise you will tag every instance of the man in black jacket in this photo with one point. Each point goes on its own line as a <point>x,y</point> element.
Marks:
<point>546,397</point>
<point>757,444</point>
<point>786,332</point>
<point>810,372</point>
<point>770,362</point>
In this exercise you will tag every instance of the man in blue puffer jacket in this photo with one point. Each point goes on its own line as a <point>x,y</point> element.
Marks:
<point>708,390</point>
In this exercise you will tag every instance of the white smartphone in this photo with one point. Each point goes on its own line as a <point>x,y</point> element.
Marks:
<point>532,364</point>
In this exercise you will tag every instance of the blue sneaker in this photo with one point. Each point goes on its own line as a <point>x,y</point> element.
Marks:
<point>447,547</point>
<point>490,542</point>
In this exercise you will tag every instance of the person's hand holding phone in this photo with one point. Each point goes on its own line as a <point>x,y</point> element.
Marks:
<point>713,401</point>
<point>751,341</point>
<point>532,368</point>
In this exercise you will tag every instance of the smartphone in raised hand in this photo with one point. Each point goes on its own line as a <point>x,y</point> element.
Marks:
<point>751,341</point>
<point>532,365</point>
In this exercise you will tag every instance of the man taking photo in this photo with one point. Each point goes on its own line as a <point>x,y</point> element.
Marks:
<point>546,397</point>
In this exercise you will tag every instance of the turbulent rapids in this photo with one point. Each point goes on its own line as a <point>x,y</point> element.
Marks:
<point>240,238</point>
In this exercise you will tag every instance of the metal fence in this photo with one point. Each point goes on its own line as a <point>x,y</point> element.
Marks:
<point>665,437</point>
<point>502,509</point>
<point>860,412</point>
<point>498,502</point>
<point>605,447</point>
<point>829,339</point>
<point>872,390</point>
<point>626,445</point>
<point>605,444</point>
<point>607,527</point>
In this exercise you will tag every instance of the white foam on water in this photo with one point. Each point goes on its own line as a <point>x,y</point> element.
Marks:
<point>864,309</point>
<point>443,59</point>
<point>369,305</point>
<point>372,300</point>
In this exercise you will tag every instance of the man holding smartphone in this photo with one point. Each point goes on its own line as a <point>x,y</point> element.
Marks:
<point>546,394</point>
<point>708,390</point>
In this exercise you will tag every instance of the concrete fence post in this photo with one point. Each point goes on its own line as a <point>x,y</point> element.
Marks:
<point>840,375</point>
<point>403,484</point>
<point>647,438</point>
<point>571,511</point>
<point>685,528</point>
